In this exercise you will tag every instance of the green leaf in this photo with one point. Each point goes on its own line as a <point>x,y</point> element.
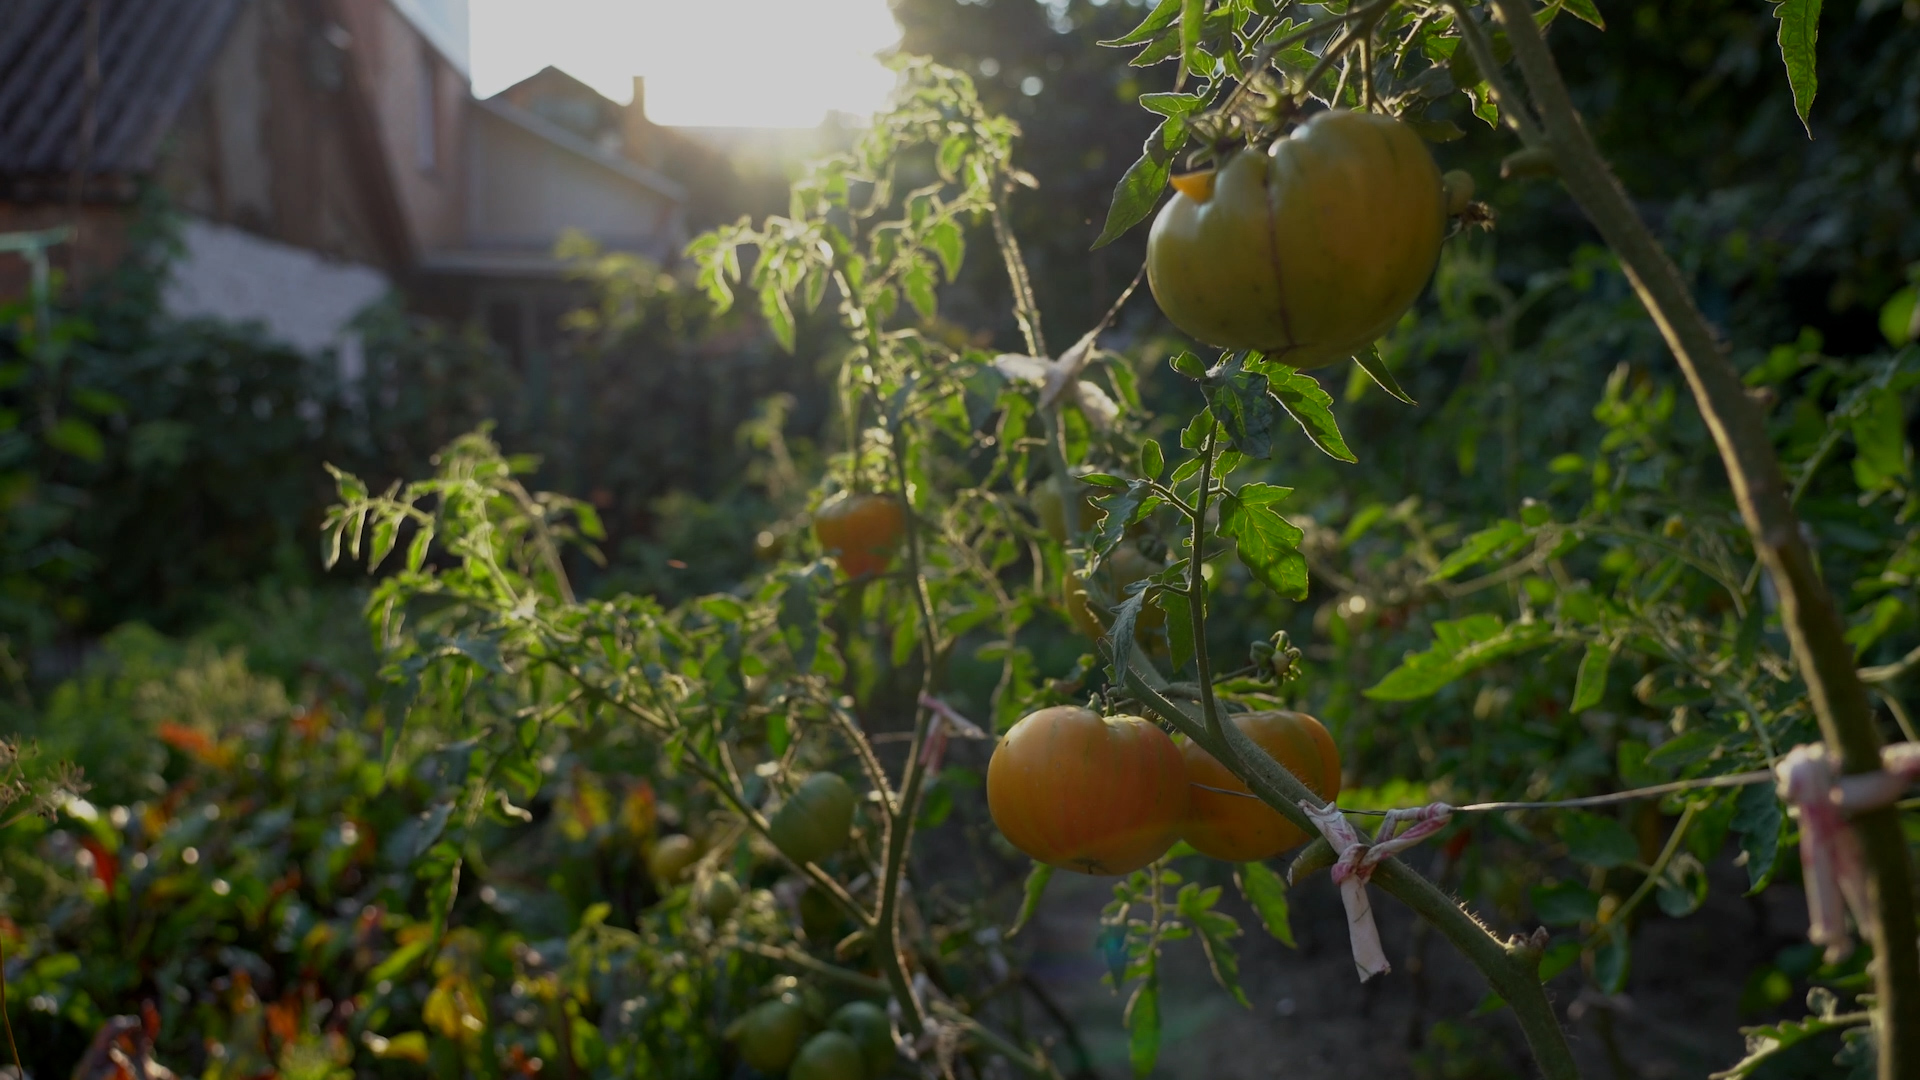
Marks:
<point>1460,646</point>
<point>1268,544</point>
<point>773,308</point>
<point>1310,406</point>
<point>1590,685</point>
<point>1498,540</point>
<point>1139,189</point>
<point>1756,822</point>
<point>401,959</point>
<point>1179,626</point>
<point>1267,894</point>
<point>1217,931</point>
<point>1239,399</point>
<point>1767,1040</point>
<point>1880,461</point>
<point>947,242</point>
<point>1036,886</point>
<point>1611,960</point>
<point>1143,1026</point>
<point>1191,12</point>
<point>1799,36</point>
<point>1121,507</point>
<point>918,282</point>
<point>79,438</point>
<point>1153,460</point>
<point>1596,840</point>
<point>1173,105</point>
<point>1585,12</point>
<point>1376,369</point>
<point>1159,19</point>
<point>1900,316</point>
<point>1564,904</point>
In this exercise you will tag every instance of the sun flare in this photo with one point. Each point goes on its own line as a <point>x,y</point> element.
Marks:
<point>749,63</point>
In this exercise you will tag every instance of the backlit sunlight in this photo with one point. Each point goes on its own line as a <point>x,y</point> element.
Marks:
<point>754,63</point>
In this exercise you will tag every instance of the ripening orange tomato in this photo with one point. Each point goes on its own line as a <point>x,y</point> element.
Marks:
<point>860,531</point>
<point>1240,828</point>
<point>1081,791</point>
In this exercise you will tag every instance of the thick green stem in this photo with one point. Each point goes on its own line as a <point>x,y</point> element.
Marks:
<point>1511,971</point>
<point>1807,610</point>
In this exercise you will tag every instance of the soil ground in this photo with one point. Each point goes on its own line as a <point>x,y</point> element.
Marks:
<point>1311,1019</point>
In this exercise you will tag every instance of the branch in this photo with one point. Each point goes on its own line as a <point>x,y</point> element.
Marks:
<point>1511,970</point>
<point>1807,610</point>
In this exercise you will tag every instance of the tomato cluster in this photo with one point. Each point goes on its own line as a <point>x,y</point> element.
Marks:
<point>1108,795</point>
<point>857,1043</point>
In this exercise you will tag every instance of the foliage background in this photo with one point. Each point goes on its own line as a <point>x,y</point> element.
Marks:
<point>168,627</point>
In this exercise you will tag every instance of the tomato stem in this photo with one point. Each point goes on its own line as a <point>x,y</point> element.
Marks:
<point>1197,587</point>
<point>1739,430</point>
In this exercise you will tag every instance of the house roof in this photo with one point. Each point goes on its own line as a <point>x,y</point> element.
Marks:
<point>567,140</point>
<point>151,55</point>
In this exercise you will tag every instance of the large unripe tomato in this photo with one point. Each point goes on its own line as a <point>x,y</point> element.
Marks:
<point>1074,789</point>
<point>860,531</point>
<point>815,820</point>
<point>867,1025</point>
<point>1307,252</point>
<point>830,1055</point>
<point>1240,828</point>
<point>769,1035</point>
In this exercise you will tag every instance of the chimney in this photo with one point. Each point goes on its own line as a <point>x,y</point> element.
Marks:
<point>637,131</point>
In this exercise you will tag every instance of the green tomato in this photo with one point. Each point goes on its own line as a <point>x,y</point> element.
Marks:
<point>867,1025</point>
<point>718,896</point>
<point>1307,252</point>
<point>830,1055</point>
<point>820,917</point>
<point>816,819</point>
<point>670,857</point>
<point>769,1035</point>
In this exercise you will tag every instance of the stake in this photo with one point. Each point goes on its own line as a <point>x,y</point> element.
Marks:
<point>1807,610</point>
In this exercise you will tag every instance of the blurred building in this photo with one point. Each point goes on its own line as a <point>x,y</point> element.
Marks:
<point>323,153</point>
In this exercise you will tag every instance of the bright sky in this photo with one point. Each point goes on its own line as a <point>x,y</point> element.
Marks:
<point>757,63</point>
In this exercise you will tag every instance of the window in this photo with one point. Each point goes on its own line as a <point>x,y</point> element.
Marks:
<point>428,122</point>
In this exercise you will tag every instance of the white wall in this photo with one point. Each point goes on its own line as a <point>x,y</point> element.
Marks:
<point>303,300</point>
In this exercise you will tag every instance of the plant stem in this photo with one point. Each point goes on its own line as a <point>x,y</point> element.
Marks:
<point>1654,872</point>
<point>1197,588</point>
<point>1807,610</point>
<point>900,822</point>
<point>800,959</point>
<point>6,1018</point>
<point>1513,973</point>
